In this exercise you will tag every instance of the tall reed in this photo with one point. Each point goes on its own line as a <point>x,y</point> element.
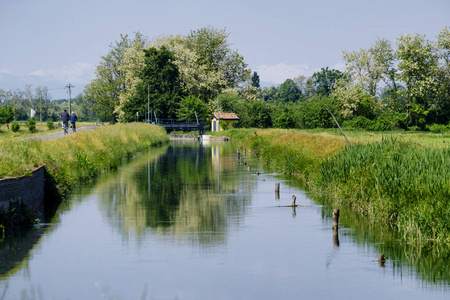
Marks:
<point>394,181</point>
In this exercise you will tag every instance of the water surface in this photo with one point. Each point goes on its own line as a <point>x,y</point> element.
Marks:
<point>192,221</point>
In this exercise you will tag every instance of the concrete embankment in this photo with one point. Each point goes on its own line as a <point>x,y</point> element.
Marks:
<point>28,189</point>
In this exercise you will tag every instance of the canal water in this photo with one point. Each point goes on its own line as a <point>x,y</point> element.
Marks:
<point>191,221</point>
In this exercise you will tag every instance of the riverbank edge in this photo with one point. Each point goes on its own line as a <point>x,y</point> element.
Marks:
<point>70,162</point>
<point>303,155</point>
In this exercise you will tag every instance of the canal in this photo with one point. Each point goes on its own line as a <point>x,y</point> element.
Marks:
<point>191,221</point>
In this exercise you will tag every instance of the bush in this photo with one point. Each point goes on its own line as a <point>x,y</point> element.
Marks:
<point>31,124</point>
<point>361,122</point>
<point>436,128</point>
<point>15,126</point>
<point>50,125</point>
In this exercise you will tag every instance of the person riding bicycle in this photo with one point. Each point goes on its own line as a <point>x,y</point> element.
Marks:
<point>64,117</point>
<point>73,119</point>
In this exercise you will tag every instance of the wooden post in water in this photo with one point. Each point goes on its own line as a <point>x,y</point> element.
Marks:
<point>249,168</point>
<point>293,200</point>
<point>336,218</point>
<point>381,260</point>
<point>335,237</point>
<point>277,191</point>
<point>238,154</point>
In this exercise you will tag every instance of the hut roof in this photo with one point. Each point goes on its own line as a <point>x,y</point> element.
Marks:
<point>226,116</point>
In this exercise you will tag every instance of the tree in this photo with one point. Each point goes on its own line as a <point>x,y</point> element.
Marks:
<point>353,99</point>
<point>206,63</point>
<point>417,66</point>
<point>325,79</point>
<point>255,80</point>
<point>363,69</point>
<point>110,81</point>
<point>160,83</point>
<point>6,114</point>
<point>441,101</point>
<point>289,92</point>
<point>190,105</point>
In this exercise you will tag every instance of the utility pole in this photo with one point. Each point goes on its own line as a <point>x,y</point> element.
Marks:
<point>68,87</point>
<point>218,113</point>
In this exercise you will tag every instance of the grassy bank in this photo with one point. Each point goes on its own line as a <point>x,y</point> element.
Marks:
<point>79,157</point>
<point>394,179</point>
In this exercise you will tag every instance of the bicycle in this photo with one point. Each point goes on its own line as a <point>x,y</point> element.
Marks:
<point>65,127</point>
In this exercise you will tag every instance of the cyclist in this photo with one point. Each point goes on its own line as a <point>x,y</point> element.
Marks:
<point>73,119</point>
<point>64,117</point>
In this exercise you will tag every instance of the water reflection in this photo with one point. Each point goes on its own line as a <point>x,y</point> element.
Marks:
<point>188,192</point>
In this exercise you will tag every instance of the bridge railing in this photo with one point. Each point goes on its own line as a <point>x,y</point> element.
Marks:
<point>182,125</point>
<point>174,122</point>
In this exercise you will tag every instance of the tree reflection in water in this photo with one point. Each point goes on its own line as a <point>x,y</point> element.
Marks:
<point>178,193</point>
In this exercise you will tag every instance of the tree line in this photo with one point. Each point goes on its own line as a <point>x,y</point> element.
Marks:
<point>18,104</point>
<point>405,85</point>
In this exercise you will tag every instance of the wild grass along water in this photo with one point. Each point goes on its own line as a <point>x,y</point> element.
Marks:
<point>392,180</point>
<point>79,157</point>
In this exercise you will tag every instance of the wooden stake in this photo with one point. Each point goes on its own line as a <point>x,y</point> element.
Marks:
<point>293,200</point>
<point>337,124</point>
<point>336,218</point>
<point>336,237</point>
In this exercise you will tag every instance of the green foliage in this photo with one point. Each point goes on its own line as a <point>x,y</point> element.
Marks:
<point>189,105</point>
<point>103,91</point>
<point>50,125</point>
<point>255,80</point>
<point>313,113</point>
<point>31,124</point>
<point>289,92</point>
<point>165,93</point>
<point>6,114</point>
<point>286,116</point>
<point>260,114</point>
<point>15,126</point>
<point>361,122</point>
<point>325,79</point>
<point>437,128</point>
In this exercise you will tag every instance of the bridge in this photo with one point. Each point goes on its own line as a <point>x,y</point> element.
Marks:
<point>182,125</point>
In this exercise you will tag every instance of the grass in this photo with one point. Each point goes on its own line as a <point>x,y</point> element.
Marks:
<point>79,157</point>
<point>399,178</point>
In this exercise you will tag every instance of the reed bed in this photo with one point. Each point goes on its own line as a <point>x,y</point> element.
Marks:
<point>79,157</point>
<point>399,182</point>
<point>393,179</point>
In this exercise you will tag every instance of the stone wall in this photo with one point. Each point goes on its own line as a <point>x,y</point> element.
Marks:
<point>29,189</point>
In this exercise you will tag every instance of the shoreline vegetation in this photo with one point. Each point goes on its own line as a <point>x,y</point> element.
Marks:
<point>401,180</point>
<point>78,158</point>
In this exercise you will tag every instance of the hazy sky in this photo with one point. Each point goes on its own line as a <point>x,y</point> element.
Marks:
<point>62,41</point>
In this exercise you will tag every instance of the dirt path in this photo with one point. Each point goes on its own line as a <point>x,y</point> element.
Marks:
<point>60,133</point>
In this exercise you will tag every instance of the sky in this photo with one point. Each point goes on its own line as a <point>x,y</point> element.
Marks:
<point>56,42</point>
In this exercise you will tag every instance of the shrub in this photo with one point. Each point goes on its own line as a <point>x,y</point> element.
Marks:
<point>50,125</point>
<point>15,126</point>
<point>436,128</point>
<point>31,124</point>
